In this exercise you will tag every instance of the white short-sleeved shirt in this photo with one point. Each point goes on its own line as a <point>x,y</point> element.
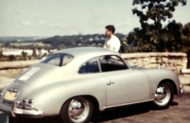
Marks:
<point>113,44</point>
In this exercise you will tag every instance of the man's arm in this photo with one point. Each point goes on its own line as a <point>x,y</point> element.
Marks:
<point>118,46</point>
<point>106,45</point>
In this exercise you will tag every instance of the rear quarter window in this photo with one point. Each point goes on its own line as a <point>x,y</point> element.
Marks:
<point>58,59</point>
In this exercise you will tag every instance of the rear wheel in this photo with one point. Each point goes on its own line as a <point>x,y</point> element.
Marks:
<point>164,95</point>
<point>77,110</point>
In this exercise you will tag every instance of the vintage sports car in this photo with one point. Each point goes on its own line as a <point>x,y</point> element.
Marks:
<point>75,82</point>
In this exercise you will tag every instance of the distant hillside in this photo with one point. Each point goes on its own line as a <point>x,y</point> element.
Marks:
<point>58,42</point>
<point>78,40</point>
<point>19,38</point>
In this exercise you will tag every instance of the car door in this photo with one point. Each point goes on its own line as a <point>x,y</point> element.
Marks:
<point>123,85</point>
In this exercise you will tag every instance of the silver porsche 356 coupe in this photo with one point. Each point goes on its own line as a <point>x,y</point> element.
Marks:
<point>75,82</point>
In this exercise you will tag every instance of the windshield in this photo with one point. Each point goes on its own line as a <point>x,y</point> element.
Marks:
<point>59,59</point>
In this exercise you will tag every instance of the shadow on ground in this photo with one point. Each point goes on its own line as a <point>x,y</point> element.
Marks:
<point>121,112</point>
<point>126,111</point>
<point>110,114</point>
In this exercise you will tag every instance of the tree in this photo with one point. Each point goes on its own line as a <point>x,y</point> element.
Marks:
<point>153,36</point>
<point>24,55</point>
<point>186,41</point>
<point>186,37</point>
<point>155,10</point>
<point>1,52</point>
<point>175,41</point>
<point>186,29</point>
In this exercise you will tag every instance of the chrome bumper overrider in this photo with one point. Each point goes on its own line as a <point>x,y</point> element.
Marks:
<point>181,89</point>
<point>33,112</point>
<point>17,111</point>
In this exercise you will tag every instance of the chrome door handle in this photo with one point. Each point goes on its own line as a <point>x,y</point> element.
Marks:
<point>110,83</point>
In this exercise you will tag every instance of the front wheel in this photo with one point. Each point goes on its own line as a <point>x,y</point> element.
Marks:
<point>164,95</point>
<point>77,110</point>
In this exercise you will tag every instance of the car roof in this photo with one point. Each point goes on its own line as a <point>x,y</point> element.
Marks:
<point>88,51</point>
<point>82,55</point>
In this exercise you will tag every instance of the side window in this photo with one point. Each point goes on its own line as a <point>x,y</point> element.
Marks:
<point>112,63</point>
<point>90,66</point>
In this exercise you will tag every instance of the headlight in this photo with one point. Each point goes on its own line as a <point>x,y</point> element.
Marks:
<point>25,104</point>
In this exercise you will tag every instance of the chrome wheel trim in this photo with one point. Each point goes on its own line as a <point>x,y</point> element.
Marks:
<point>162,95</point>
<point>78,110</point>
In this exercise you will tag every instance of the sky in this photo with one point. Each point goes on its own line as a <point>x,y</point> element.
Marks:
<point>68,17</point>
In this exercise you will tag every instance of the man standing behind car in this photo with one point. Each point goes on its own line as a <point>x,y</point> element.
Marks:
<point>113,43</point>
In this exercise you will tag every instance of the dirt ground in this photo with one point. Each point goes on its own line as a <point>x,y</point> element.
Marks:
<point>179,112</point>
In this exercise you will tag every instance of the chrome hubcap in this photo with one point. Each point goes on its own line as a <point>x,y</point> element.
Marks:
<point>78,110</point>
<point>162,95</point>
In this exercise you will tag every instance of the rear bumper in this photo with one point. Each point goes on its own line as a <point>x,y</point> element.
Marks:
<point>21,112</point>
<point>32,113</point>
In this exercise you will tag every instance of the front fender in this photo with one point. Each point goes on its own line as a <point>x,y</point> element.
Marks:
<point>158,75</point>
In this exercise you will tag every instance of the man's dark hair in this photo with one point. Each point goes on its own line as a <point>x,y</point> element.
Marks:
<point>110,28</point>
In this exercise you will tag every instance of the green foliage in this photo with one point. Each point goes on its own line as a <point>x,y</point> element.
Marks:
<point>156,10</point>
<point>186,37</point>
<point>24,55</point>
<point>153,36</point>
<point>1,52</point>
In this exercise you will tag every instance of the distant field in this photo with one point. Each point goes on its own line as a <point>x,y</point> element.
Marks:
<point>13,69</point>
<point>16,64</point>
<point>10,70</point>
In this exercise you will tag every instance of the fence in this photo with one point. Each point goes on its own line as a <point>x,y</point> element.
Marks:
<point>172,61</point>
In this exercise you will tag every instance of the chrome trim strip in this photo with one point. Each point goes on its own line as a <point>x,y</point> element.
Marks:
<point>125,104</point>
<point>27,112</point>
